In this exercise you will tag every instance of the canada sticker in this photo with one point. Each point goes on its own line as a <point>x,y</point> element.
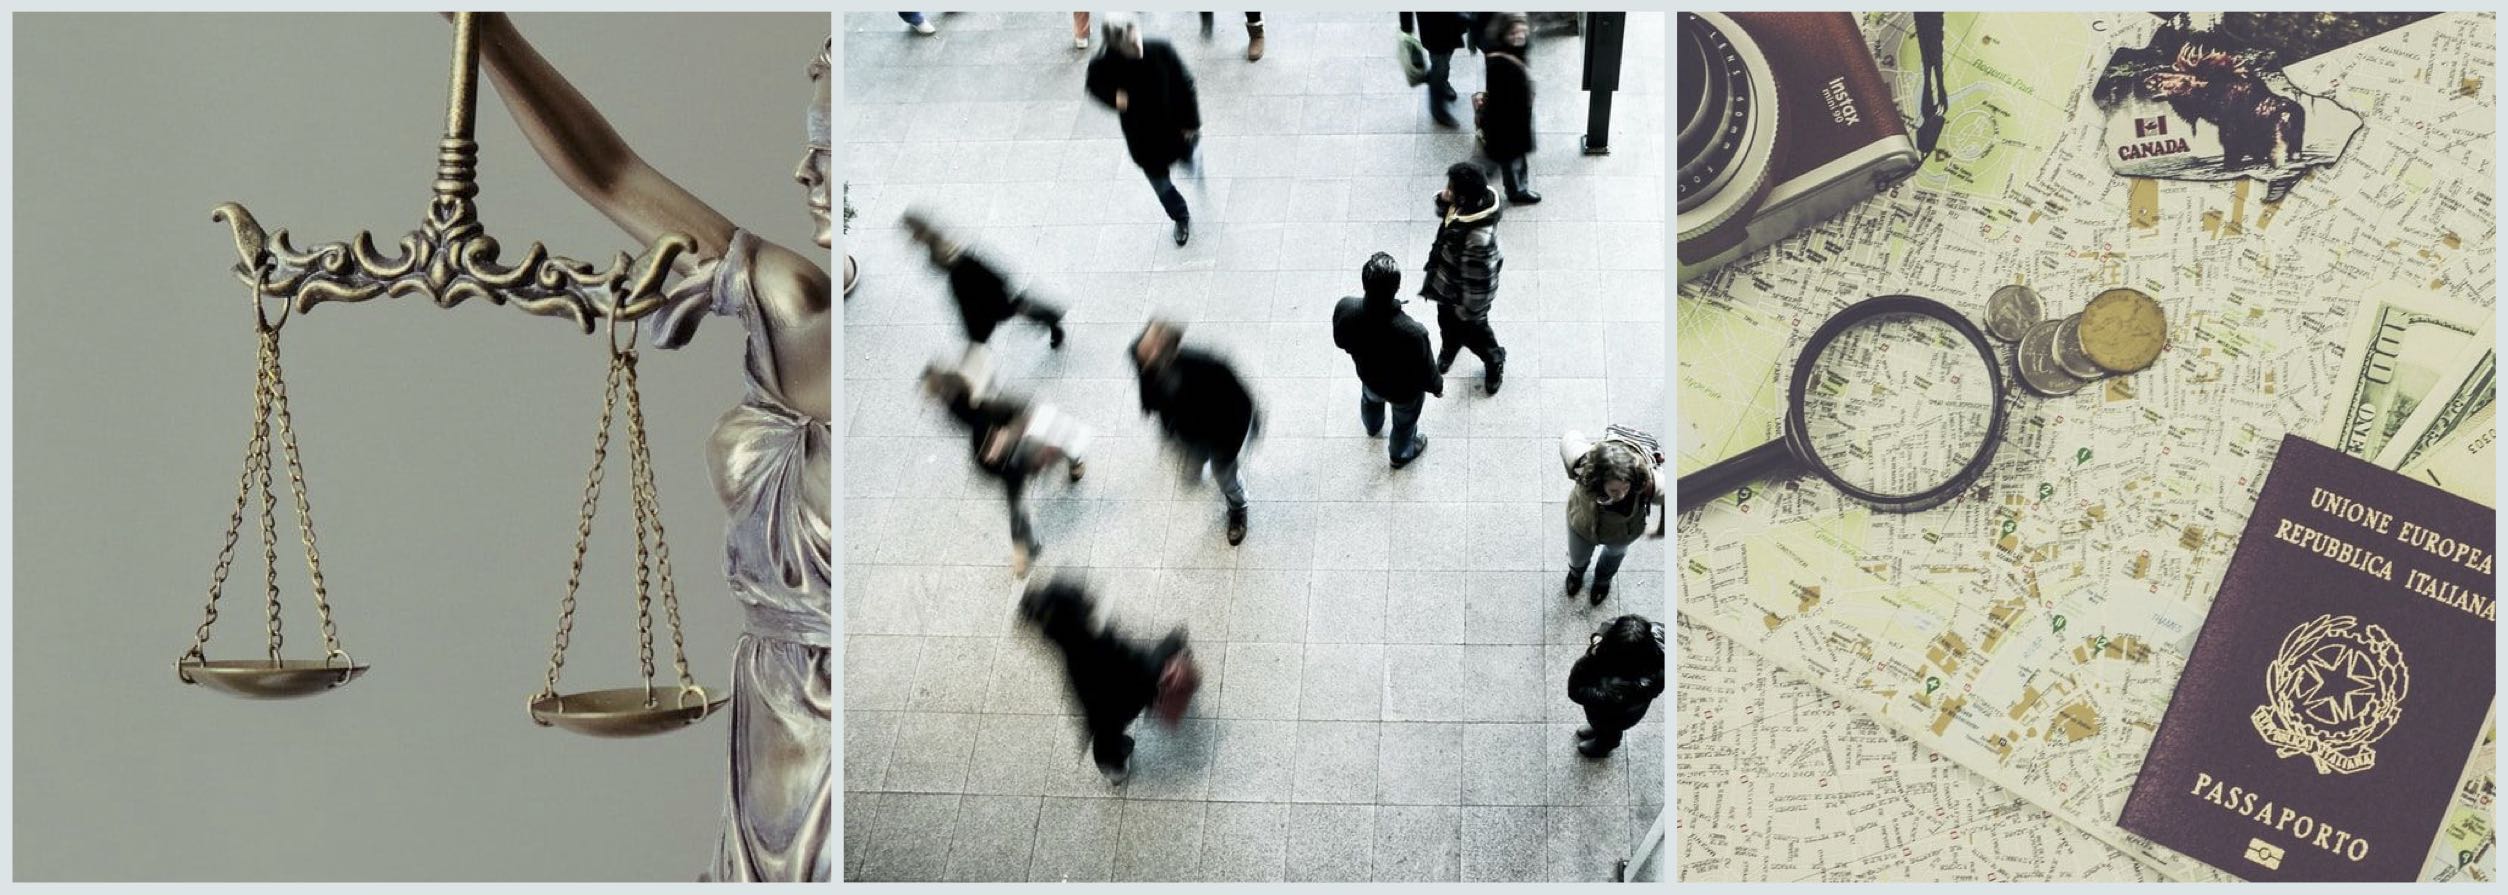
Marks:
<point>2197,104</point>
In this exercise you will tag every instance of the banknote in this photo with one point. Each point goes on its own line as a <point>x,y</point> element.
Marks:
<point>2466,847</point>
<point>2401,338</point>
<point>2464,464</point>
<point>2466,388</point>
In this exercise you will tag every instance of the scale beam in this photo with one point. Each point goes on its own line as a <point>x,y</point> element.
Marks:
<point>450,258</point>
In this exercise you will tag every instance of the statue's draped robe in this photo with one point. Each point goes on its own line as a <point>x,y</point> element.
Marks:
<point>770,465</point>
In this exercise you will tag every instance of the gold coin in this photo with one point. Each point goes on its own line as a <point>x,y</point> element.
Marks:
<point>2123,330</point>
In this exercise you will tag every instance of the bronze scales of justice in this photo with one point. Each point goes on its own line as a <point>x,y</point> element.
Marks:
<point>451,259</point>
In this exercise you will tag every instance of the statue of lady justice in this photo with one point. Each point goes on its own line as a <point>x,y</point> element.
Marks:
<point>768,456</point>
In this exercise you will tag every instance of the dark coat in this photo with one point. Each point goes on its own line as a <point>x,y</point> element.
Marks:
<point>1506,117</point>
<point>1200,402</point>
<point>1609,689</point>
<point>1442,32</point>
<point>1390,349</point>
<point>984,297</point>
<point>982,419</point>
<point>1160,104</point>
<point>1463,263</point>
<point>1113,680</point>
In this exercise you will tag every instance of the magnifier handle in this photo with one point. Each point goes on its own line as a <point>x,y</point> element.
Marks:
<point>1697,489</point>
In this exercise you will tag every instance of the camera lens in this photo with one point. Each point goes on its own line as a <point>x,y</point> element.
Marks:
<point>1717,109</point>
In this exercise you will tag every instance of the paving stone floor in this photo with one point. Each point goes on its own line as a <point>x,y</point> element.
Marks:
<point>1386,656</point>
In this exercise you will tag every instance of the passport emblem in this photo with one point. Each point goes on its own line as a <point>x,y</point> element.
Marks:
<point>2264,853</point>
<point>2335,687</point>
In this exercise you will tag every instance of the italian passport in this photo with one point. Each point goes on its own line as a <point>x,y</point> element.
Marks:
<point>2339,683</point>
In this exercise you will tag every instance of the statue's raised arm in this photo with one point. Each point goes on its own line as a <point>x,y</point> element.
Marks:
<point>591,158</point>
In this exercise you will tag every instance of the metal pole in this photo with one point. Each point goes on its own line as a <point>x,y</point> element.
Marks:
<point>1603,36</point>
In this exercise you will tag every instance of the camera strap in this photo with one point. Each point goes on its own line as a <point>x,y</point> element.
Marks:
<point>1937,95</point>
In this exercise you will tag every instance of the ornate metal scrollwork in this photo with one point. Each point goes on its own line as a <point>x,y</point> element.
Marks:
<point>450,258</point>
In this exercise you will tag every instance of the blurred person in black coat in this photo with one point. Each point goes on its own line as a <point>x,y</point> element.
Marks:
<point>1203,406</point>
<point>1441,33</point>
<point>1010,439</point>
<point>985,299</point>
<point>1506,114</point>
<point>1113,680</point>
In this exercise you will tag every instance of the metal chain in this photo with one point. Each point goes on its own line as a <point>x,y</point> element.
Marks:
<point>636,473</point>
<point>304,510</point>
<point>650,495</point>
<point>583,529</point>
<point>256,453</point>
<point>269,498</point>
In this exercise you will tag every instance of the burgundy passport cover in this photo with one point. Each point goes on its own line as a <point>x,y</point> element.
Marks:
<point>2338,685</point>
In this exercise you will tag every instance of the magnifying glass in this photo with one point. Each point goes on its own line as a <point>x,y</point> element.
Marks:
<point>1897,402</point>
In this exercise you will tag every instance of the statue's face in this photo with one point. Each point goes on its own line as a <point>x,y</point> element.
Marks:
<point>814,170</point>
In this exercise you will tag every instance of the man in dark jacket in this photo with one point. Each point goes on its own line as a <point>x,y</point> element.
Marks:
<point>985,298</point>
<point>1441,33</point>
<point>1113,680</point>
<point>1391,352</point>
<point>1203,407</point>
<point>1506,116</point>
<point>1616,680</point>
<point>1146,84</point>
<point>1463,269</point>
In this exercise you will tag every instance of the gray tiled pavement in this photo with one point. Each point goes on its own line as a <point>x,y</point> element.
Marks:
<point>1385,657</point>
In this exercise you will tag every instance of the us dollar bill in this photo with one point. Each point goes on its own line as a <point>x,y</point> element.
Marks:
<point>2464,464</point>
<point>2400,339</point>
<point>2466,388</point>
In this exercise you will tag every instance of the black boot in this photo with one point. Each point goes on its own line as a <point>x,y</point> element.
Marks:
<point>1445,357</point>
<point>1184,232</point>
<point>1495,371</point>
<point>1575,582</point>
<point>1236,526</point>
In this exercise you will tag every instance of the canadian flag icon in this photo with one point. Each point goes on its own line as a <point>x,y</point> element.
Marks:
<point>2144,127</point>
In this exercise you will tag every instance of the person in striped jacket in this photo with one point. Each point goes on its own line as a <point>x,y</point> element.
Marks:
<point>1462,273</point>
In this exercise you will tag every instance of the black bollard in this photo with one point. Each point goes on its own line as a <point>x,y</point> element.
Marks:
<point>1603,33</point>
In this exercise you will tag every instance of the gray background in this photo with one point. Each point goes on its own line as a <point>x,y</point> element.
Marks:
<point>445,451</point>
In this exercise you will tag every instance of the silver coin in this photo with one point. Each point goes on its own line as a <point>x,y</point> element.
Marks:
<point>2068,353</point>
<point>2034,358</point>
<point>2012,311</point>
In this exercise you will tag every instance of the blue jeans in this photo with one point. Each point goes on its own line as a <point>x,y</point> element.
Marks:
<point>1405,442</point>
<point>1167,195</point>
<point>1222,471</point>
<point>1581,550</point>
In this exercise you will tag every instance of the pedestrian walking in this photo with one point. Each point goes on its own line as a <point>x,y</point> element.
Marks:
<point>1253,33</point>
<point>1616,679</point>
<point>1203,407</point>
<point>1391,353</point>
<point>1079,31</point>
<point>1441,33</point>
<point>1011,440</point>
<point>985,298</point>
<point>1506,110</point>
<point>1113,681</point>
<point>1462,272</point>
<point>1145,82</point>
<point>916,21</point>
<point>1613,489</point>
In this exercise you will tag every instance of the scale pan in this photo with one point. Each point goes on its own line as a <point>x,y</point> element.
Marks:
<point>264,679</point>
<point>623,712</point>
